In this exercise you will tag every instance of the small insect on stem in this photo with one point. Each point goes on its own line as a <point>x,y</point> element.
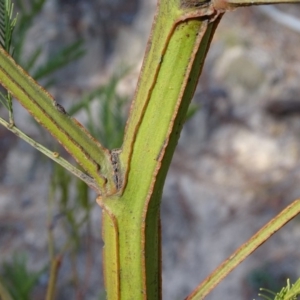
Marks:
<point>60,108</point>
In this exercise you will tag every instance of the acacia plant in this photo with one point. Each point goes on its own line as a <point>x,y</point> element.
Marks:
<point>129,180</point>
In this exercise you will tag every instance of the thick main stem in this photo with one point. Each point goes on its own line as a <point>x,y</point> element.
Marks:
<point>131,220</point>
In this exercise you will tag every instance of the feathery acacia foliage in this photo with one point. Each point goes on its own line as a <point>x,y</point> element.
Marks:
<point>289,292</point>
<point>7,26</point>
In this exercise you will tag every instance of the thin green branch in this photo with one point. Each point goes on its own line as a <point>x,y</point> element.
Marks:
<point>54,268</point>
<point>63,57</point>
<point>10,109</point>
<point>3,100</point>
<point>227,4</point>
<point>89,153</point>
<point>245,250</point>
<point>52,155</point>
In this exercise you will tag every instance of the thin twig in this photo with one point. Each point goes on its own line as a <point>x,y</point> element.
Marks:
<point>245,250</point>
<point>281,17</point>
<point>52,155</point>
<point>55,265</point>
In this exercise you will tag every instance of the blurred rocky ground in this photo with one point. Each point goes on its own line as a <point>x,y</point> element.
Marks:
<point>236,166</point>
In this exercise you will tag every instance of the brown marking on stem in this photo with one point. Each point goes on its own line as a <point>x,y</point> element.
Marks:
<point>98,167</point>
<point>161,151</point>
<point>114,157</point>
<point>192,3</point>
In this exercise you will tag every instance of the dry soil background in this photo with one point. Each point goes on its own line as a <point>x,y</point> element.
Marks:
<point>236,166</point>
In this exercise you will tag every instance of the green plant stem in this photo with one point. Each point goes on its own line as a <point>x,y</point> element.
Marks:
<point>180,38</point>
<point>10,110</point>
<point>54,268</point>
<point>52,155</point>
<point>131,221</point>
<point>90,154</point>
<point>51,243</point>
<point>179,41</point>
<point>245,250</point>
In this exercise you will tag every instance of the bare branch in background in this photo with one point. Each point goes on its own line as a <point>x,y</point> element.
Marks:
<point>281,17</point>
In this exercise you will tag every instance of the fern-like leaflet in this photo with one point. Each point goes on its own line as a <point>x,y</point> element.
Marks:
<point>7,25</point>
<point>289,292</point>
